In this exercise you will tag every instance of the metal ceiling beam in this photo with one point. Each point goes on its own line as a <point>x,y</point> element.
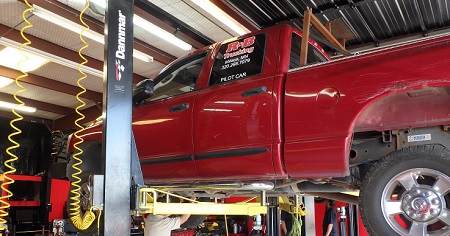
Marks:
<point>59,51</point>
<point>62,110</point>
<point>236,14</point>
<point>51,84</point>
<point>98,26</point>
<point>66,123</point>
<point>166,21</point>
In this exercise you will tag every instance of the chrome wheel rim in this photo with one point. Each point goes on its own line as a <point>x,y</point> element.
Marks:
<point>415,202</point>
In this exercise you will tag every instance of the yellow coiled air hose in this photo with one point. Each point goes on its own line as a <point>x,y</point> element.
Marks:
<point>79,220</point>
<point>12,157</point>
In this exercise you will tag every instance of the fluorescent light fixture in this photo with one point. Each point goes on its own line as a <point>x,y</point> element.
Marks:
<point>20,60</point>
<point>142,56</point>
<point>157,31</point>
<point>99,3</point>
<point>151,28</point>
<point>5,81</point>
<point>65,23</point>
<point>52,58</point>
<point>8,105</point>
<point>77,28</point>
<point>222,16</point>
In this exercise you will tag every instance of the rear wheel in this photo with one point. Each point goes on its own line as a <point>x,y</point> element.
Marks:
<point>408,193</point>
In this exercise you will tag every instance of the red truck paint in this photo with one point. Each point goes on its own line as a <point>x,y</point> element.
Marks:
<point>305,120</point>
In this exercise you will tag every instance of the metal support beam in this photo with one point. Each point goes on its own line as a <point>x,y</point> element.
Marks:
<point>239,209</point>
<point>117,139</point>
<point>273,217</point>
<point>51,84</point>
<point>147,204</point>
<point>310,218</point>
<point>43,106</point>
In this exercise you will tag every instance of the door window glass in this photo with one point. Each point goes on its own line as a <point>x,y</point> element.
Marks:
<point>180,79</point>
<point>314,56</point>
<point>238,59</point>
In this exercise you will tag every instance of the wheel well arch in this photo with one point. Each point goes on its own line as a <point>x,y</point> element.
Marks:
<point>413,107</point>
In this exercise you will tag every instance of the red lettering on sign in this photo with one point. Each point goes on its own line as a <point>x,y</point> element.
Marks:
<point>248,42</point>
<point>233,46</point>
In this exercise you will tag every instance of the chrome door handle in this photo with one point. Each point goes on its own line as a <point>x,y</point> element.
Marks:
<point>254,91</point>
<point>179,107</point>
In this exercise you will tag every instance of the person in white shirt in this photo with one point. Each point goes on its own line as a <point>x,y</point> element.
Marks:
<point>162,225</point>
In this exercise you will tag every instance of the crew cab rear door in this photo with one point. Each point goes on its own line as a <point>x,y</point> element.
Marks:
<point>163,124</point>
<point>233,114</point>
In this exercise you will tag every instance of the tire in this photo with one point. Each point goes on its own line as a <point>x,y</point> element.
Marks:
<point>396,179</point>
<point>91,161</point>
<point>92,164</point>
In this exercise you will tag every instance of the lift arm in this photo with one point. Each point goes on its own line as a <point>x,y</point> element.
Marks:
<point>149,205</point>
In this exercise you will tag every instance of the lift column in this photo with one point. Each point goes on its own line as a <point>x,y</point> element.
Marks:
<point>117,106</point>
<point>273,217</point>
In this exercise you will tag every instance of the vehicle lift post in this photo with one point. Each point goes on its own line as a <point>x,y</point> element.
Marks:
<point>117,109</point>
<point>273,217</point>
<point>123,174</point>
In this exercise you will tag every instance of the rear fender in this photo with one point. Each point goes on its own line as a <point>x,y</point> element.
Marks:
<point>425,107</point>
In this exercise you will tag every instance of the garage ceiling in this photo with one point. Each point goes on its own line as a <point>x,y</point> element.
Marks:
<point>369,20</point>
<point>51,87</point>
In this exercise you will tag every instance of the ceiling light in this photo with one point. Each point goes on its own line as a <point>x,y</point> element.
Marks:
<point>151,28</point>
<point>53,58</point>
<point>76,28</point>
<point>5,81</point>
<point>157,31</point>
<point>20,60</point>
<point>142,56</point>
<point>220,15</point>
<point>65,23</point>
<point>8,105</point>
<point>99,3</point>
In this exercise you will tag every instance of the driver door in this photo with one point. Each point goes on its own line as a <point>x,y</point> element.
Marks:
<point>162,125</point>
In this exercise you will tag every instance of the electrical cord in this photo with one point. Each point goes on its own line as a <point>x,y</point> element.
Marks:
<point>79,220</point>
<point>7,180</point>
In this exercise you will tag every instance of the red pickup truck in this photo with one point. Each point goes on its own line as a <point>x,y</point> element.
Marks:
<point>244,111</point>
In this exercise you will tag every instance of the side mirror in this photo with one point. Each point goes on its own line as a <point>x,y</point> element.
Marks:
<point>143,90</point>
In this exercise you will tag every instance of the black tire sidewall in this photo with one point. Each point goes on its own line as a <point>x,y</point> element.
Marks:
<point>378,177</point>
<point>91,158</point>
